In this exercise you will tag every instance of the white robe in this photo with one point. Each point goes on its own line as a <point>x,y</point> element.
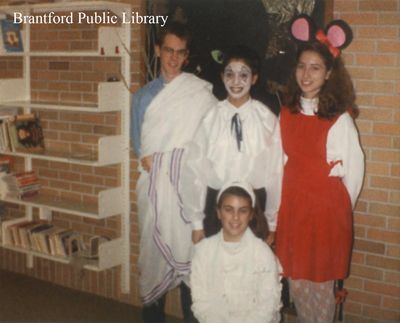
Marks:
<point>165,233</point>
<point>235,283</point>
<point>215,159</point>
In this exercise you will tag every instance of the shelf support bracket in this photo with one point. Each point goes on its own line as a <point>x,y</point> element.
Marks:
<point>45,213</point>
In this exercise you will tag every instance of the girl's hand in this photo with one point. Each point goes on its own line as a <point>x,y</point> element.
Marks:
<point>270,239</point>
<point>197,236</point>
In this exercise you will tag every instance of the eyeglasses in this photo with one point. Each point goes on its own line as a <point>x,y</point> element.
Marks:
<point>170,51</point>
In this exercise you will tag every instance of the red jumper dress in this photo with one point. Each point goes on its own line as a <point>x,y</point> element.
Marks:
<point>314,233</point>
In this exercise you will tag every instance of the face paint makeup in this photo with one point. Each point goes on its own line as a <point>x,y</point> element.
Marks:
<point>237,79</point>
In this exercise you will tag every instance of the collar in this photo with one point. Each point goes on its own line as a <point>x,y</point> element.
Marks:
<point>309,107</point>
<point>235,247</point>
<point>231,110</point>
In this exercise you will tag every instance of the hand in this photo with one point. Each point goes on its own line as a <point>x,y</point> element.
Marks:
<point>197,235</point>
<point>147,163</point>
<point>270,239</point>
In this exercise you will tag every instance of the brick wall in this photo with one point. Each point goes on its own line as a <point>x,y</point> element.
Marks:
<point>374,62</point>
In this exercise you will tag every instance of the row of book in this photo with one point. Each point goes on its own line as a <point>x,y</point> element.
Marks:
<point>20,132</point>
<point>44,237</point>
<point>19,185</point>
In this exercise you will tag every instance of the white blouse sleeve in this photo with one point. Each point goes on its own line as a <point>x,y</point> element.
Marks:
<point>343,147</point>
<point>270,163</point>
<point>196,171</point>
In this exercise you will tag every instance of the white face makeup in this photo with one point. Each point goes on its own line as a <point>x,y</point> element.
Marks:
<point>237,79</point>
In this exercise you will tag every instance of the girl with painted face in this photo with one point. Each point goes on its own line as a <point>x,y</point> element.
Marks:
<point>237,140</point>
<point>323,173</point>
<point>235,276</point>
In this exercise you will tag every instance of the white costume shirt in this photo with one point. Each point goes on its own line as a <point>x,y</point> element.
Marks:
<point>214,157</point>
<point>343,145</point>
<point>235,282</point>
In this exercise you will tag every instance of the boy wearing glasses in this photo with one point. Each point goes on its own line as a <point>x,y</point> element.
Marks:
<point>166,113</point>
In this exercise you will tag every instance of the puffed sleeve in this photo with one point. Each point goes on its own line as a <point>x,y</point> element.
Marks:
<point>196,171</point>
<point>270,163</point>
<point>344,149</point>
<point>205,307</point>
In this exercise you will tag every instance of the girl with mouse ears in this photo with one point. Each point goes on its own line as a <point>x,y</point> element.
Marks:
<point>323,172</point>
<point>238,139</point>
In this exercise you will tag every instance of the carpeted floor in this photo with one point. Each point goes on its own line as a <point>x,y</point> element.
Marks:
<point>24,299</point>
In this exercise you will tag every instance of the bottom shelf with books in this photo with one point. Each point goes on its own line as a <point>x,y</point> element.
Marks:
<point>44,240</point>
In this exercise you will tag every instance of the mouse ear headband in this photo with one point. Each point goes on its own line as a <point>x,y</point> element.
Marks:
<point>336,35</point>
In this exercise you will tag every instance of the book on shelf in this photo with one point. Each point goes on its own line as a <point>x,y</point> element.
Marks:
<point>33,235</point>
<point>14,234</point>
<point>24,233</point>
<point>11,36</point>
<point>53,236</point>
<point>20,185</point>
<point>94,244</point>
<point>25,133</point>
<point>4,217</point>
<point>5,164</point>
<point>6,113</point>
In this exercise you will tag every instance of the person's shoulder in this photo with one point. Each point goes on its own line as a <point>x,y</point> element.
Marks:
<point>263,109</point>
<point>204,245</point>
<point>345,118</point>
<point>344,121</point>
<point>148,88</point>
<point>213,112</point>
<point>263,250</point>
<point>195,80</point>
<point>266,116</point>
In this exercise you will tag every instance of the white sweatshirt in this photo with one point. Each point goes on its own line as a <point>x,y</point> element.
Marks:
<point>235,282</point>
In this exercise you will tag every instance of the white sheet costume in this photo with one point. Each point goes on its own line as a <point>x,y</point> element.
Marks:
<point>215,157</point>
<point>169,123</point>
<point>235,282</point>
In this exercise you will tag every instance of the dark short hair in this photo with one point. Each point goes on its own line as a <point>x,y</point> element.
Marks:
<point>258,224</point>
<point>176,28</point>
<point>244,53</point>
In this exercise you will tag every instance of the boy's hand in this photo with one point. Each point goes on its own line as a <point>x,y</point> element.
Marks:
<point>147,162</point>
<point>197,236</point>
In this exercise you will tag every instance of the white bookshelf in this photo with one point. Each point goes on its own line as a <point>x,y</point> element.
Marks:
<point>111,150</point>
<point>111,96</point>
<point>109,204</point>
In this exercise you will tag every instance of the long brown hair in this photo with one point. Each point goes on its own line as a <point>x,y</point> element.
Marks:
<point>336,96</point>
<point>258,224</point>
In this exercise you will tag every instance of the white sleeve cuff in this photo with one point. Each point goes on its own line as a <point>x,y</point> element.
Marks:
<point>197,225</point>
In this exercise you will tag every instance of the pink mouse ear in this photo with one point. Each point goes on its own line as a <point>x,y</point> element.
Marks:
<point>302,28</point>
<point>339,34</point>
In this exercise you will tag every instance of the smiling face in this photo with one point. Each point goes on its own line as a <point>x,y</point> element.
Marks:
<point>235,214</point>
<point>311,73</point>
<point>238,79</point>
<point>173,54</point>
